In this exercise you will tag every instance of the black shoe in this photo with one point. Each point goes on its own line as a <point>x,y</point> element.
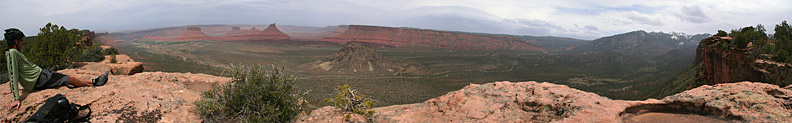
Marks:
<point>101,80</point>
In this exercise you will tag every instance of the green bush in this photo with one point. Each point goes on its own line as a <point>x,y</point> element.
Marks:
<point>779,46</point>
<point>113,58</point>
<point>748,34</point>
<point>110,51</point>
<point>54,48</point>
<point>3,71</point>
<point>783,41</point>
<point>92,54</point>
<point>254,95</point>
<point>722,33</point>
<point>350,100</point>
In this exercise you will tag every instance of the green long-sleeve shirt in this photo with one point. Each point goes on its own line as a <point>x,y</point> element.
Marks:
<point>21,71</point>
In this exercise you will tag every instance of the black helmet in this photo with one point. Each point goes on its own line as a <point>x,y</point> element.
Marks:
<point>13,34</point>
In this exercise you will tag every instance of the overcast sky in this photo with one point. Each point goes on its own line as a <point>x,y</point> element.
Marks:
<point>584,19</point>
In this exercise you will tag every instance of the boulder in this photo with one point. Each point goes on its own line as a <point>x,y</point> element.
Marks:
<point>123,65</point>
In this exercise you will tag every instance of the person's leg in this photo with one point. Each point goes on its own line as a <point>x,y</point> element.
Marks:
<point>77,82</point>
<point>98,81</point>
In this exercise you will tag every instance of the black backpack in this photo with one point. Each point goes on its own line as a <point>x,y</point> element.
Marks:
<point>57,109</point>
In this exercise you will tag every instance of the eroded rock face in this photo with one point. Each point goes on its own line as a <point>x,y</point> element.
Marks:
<point>358,58</point>
<point>546,102</point>
<point>401,37</point>
<point>721,64</point>
<point>142,97</point>
<point>123,65</point>
<point>236,32</point>
<point>190,33</point>
<point>272,32</point>
<point>195,34</point>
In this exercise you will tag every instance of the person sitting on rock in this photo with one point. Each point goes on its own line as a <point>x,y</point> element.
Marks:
<point>31,76</point>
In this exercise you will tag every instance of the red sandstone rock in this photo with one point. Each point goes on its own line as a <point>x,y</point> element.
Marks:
<point>546,102</point>
<point>195,34</point>
<point>190,34</point>
<point>142,97</point>
<point>123,66</point>
<point>235,32</point>
<point>401,37</point>
<point>272,32</point>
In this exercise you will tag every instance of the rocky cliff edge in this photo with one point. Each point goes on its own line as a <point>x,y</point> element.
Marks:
<point>546,102</point>
<point>139,97</point>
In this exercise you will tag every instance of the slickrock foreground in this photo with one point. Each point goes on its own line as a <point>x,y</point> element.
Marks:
<point>169,97</point>
<point>142,97</point>
<point>546,102</point>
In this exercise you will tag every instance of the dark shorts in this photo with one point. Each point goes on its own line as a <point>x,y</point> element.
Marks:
<point>49,79</point>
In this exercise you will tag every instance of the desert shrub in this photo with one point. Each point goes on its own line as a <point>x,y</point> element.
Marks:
<point>254,95</point>
<point>783,41</point>
<point>54,48</point>
<point>113,58</point>
<point>92,54</point>
<point>722,33</point>
<point>350,100</point>
<point>779,45</point>
<point>748,34</point>
<point>110,51</point>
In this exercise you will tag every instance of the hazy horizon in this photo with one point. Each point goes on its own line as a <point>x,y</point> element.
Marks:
<point>575,19</point>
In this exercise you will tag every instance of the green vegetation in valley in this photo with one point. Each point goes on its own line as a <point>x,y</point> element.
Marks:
<point>446,70</point>
<point>255,95</point>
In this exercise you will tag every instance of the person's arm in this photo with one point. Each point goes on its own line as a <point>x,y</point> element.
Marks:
<point>13,74</point>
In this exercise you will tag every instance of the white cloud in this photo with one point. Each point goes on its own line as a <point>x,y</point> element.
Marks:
<point>641,18</point>
<point>693,14</point>
<point>548,17</point>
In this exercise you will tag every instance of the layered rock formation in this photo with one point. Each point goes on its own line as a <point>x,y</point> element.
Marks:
<point>721,64</point>
<point>272,32</point>
<point>546,102</point>
<point>306,33</point>
<point>236,32</point>
<point>142,97</point>
<point>358,58</point>
<point>190,33</point>
<point>403,37</point>
<point>194,34</point>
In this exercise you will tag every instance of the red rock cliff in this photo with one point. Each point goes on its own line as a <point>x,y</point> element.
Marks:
<point>400,37</point>
<point>729,64</point>
<point>190,33</point>
<point>236,32</point>
<point>195,34</point>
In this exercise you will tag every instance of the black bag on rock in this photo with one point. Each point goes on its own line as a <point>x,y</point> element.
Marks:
<point>57,109</point>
